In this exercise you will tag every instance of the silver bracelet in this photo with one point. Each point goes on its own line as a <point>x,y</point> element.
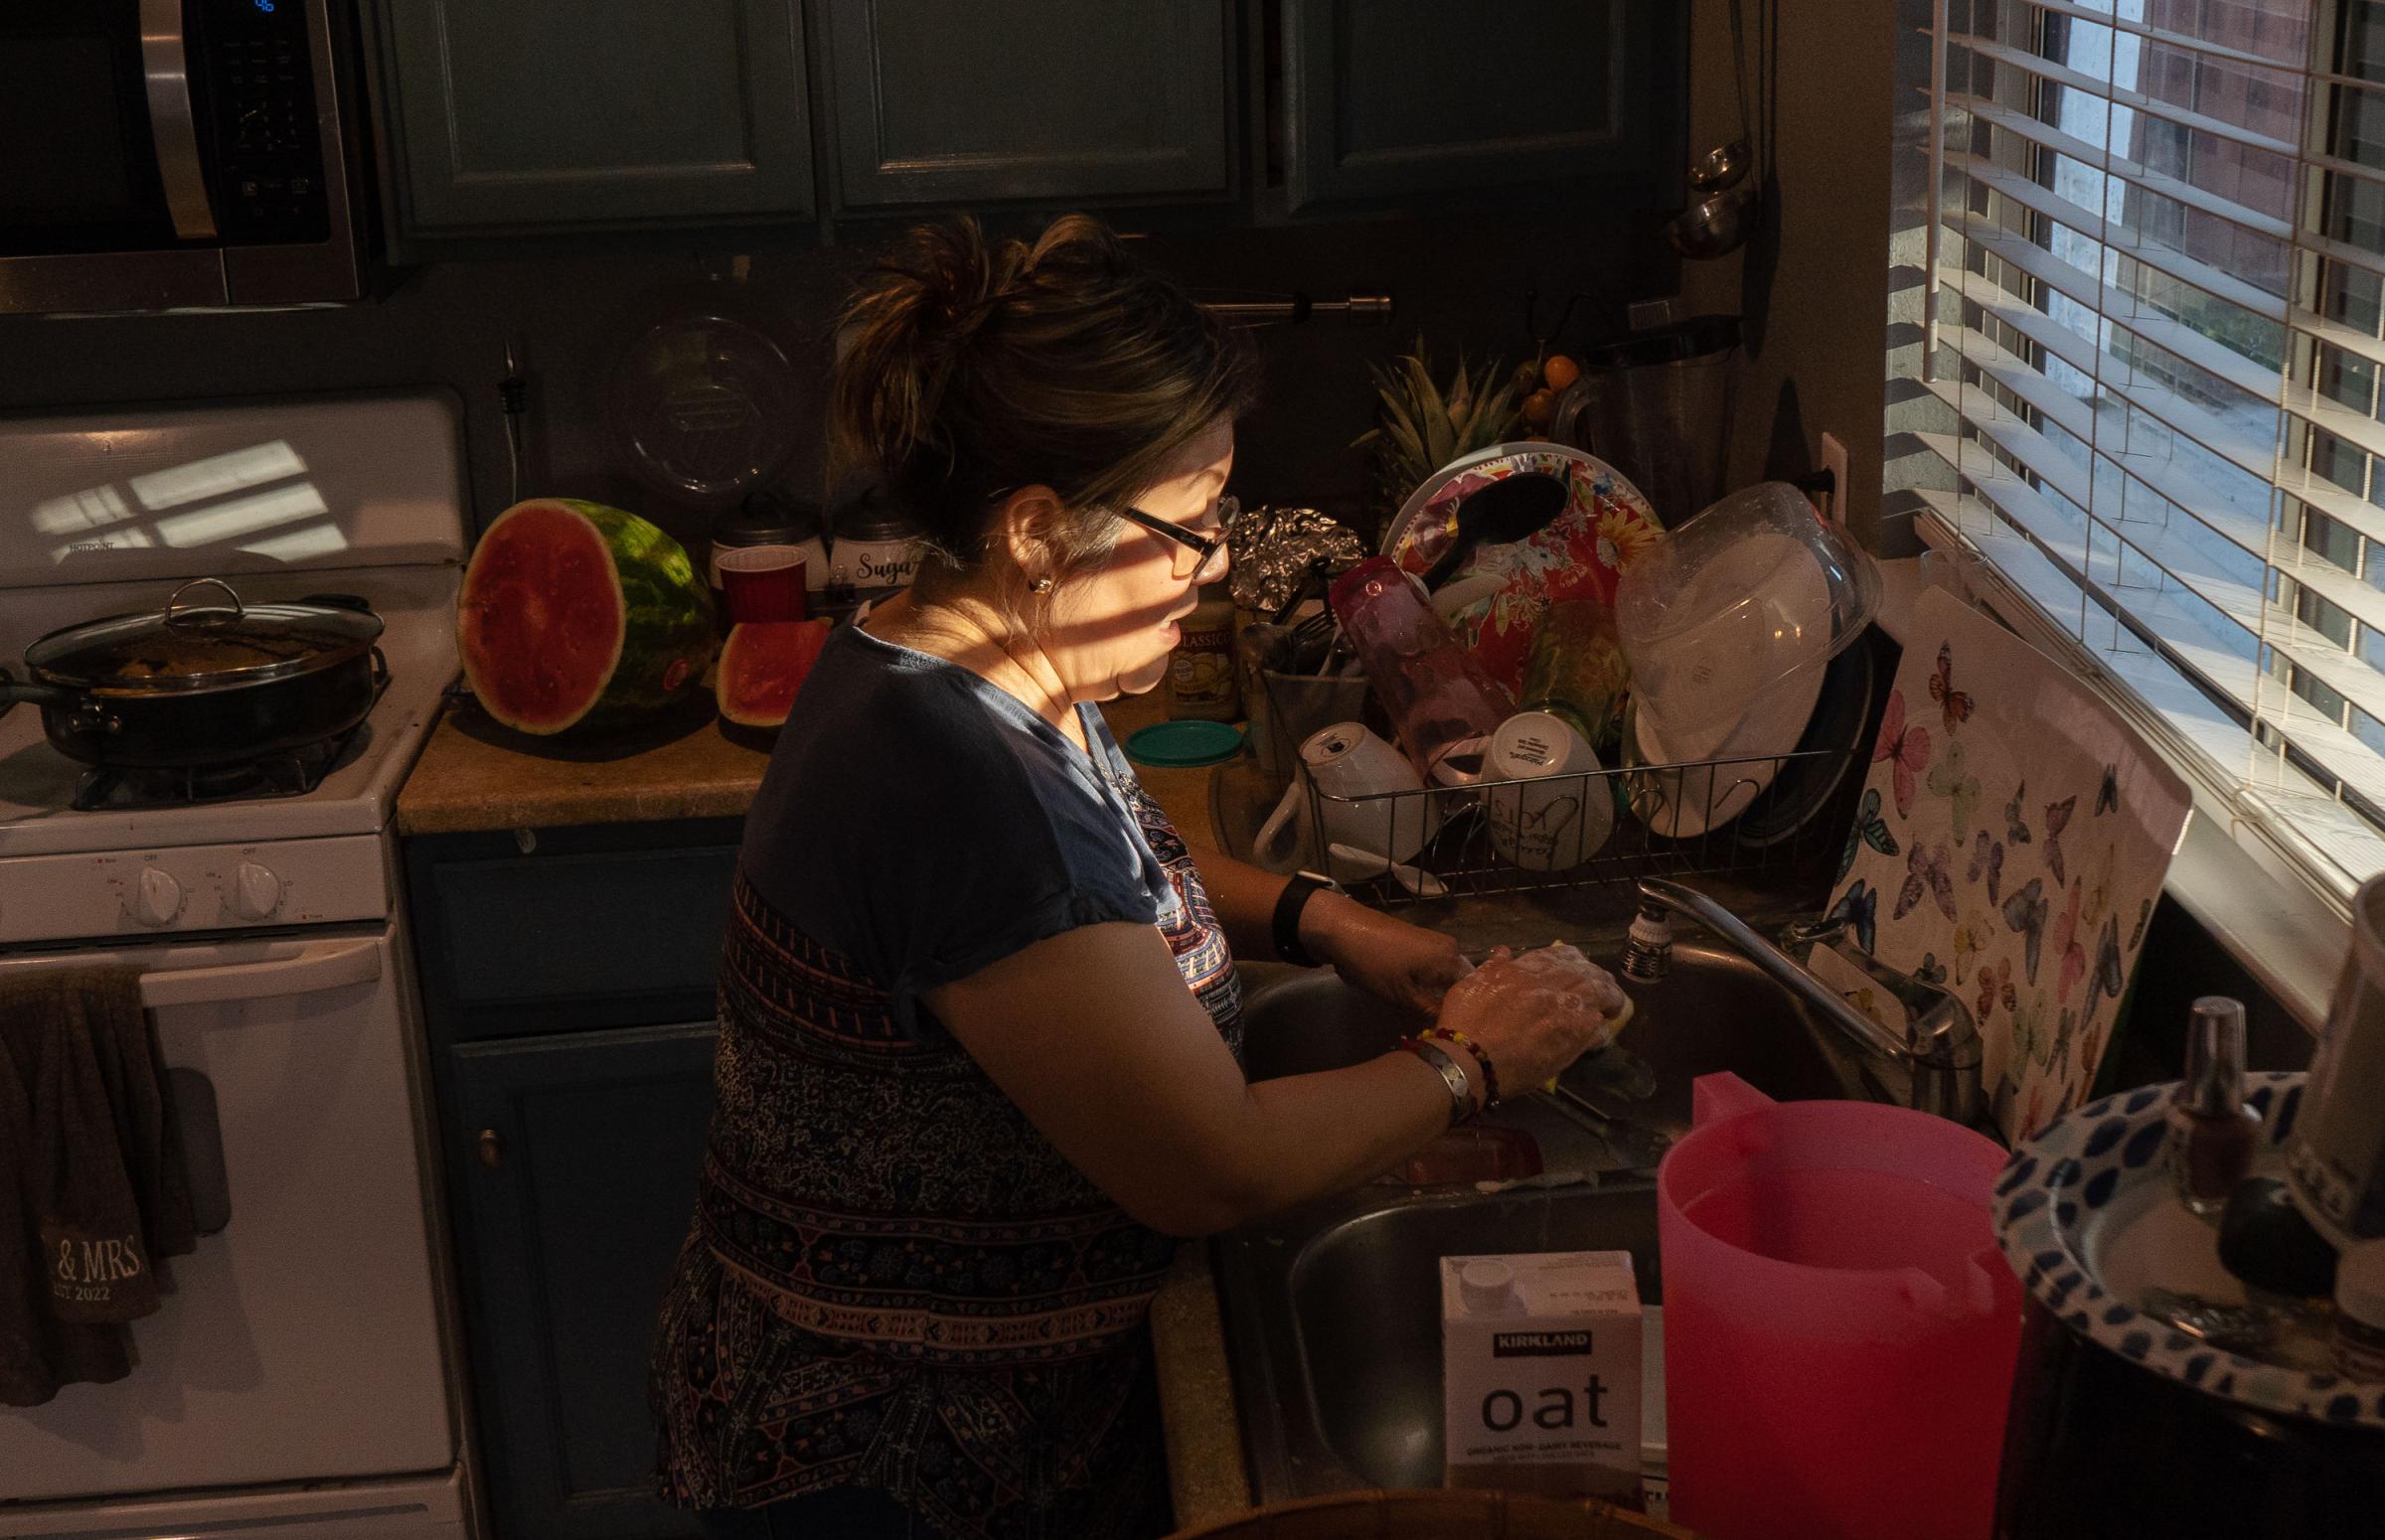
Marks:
<point>1452,1075</point>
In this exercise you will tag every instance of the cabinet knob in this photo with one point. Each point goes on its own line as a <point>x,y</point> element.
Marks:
<point>491,1146</point>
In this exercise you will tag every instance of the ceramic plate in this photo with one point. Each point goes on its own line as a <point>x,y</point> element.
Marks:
<point>1605,525</point>
<point>2082,1217</point>
<point>2011,838</point>
<point>1851,690</point>
<point>1683,804</point>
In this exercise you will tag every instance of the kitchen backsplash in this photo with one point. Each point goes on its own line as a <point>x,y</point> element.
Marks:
<point>1459,283</point>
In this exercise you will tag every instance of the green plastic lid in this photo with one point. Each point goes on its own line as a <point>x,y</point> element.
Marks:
<point>1184,745</point>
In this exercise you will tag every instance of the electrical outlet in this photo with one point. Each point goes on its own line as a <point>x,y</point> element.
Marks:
<point>1829,479</point>
<point>1834,463</point>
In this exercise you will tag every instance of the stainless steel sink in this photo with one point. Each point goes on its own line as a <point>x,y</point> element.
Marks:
<point>1712,1011</point>
<point>1332,1309</point>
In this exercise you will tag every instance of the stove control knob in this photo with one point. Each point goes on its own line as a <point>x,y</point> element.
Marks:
<point>255,892</point>
<point>158,900</point>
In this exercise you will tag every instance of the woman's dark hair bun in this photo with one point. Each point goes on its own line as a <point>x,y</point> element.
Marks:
<point>964,281</point>
<point>970,367</point>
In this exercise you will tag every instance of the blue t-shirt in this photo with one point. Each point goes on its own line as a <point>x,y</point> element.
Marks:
<point>928,825</point>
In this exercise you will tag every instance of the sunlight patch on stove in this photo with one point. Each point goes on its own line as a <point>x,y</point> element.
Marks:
<point>243,516</point>
<point>318,539</point>
<point>217,475</point>
<point>80,510</point>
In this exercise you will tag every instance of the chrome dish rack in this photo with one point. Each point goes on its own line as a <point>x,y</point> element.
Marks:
<point>1783,815</point>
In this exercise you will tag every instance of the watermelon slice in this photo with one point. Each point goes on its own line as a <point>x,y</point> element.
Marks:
<point>763,665</point>
<point>575,615</point>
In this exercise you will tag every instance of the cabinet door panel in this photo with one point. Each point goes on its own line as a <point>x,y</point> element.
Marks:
<point>551,114</point>
<point>942,101</point>
<point>1386,99</point>
<point>613,926</point>
<point>574,1159</point>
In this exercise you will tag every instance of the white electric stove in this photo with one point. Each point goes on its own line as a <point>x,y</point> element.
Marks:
<point>295,1380</point>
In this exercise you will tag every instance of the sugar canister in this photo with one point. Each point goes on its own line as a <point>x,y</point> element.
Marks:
<point>876,551</point>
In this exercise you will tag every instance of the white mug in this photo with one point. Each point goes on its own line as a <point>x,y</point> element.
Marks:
<point>1345,761</point>
<point>1549,811</point>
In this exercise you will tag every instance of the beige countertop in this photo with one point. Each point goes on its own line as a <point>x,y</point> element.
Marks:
<point>1206,1474</point>
<point>477,775</point>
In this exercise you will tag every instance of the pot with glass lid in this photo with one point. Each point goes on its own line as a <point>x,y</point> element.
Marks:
<point>203,683</point>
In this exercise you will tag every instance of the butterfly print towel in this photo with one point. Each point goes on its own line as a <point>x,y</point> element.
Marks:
<point>2019,832</point>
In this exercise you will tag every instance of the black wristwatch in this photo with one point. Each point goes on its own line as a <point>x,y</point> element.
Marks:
<point>1288,904</point>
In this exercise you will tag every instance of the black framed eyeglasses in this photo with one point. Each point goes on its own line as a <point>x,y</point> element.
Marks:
<point>1209,546</point>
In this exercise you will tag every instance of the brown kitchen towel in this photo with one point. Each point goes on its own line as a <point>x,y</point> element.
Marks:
<point>93,1194</point>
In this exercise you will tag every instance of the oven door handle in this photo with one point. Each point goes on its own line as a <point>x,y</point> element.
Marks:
<point>173,125</point>
<point>317,965</point>
<point>200,1123</point>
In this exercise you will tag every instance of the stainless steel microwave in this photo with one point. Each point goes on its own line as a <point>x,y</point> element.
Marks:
<point>176,154</point>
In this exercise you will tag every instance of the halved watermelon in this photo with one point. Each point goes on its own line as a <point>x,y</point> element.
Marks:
<point>764,665</point>
<point>579,615</point>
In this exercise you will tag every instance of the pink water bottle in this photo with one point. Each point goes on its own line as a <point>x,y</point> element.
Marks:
<point>1442,706</point>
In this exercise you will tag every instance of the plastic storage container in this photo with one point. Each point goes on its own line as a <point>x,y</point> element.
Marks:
<point>1720,616</point>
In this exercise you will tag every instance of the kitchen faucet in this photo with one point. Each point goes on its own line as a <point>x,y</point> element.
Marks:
<point>1935,1069</point>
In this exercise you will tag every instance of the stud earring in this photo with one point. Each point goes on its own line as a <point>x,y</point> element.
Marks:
<point>1039,585</point>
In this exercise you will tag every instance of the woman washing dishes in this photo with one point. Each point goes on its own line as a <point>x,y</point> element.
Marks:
<point>979,1015</point>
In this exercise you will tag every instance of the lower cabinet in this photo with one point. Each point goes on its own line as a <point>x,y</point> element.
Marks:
<point>572,1161</point>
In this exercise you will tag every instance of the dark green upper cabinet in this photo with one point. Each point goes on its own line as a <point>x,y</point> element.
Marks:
<point>1392,102</point>
<point>555,115</point>
<point>941,103</point>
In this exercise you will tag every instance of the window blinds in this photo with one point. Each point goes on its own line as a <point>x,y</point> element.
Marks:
<point>2154,272</point>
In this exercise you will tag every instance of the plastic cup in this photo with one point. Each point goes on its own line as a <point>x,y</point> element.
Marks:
<point>763,583</point>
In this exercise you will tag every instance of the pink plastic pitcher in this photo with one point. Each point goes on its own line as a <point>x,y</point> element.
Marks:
<point>1839,1328</point>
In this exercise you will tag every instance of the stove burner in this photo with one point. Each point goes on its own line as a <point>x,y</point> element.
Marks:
<point>118,788</point>
<point>291,773</point>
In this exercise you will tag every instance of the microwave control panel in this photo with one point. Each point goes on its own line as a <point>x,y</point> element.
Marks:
<point>265,113</point>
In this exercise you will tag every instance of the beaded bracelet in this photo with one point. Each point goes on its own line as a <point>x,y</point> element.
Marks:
<point>1490,1075</point>
<point>1463,1108</point>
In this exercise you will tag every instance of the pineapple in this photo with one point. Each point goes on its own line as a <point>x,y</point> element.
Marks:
<point>1421,428</point>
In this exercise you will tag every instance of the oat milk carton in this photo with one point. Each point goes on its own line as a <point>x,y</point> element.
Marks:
<point>1540,1373</point>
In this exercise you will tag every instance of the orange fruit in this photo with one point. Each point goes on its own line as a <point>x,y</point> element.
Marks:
<point>1539,408</point>
<point>1559,372</point>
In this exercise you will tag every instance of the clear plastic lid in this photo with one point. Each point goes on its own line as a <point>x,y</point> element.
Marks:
<point>1747,593</point>
<point>703,407</point>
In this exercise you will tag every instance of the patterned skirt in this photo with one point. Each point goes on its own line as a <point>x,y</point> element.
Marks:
<point>754,1410</point>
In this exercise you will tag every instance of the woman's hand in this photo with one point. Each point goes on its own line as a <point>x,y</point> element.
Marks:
<point>1407,965</point>
<point>1533,1015</point>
